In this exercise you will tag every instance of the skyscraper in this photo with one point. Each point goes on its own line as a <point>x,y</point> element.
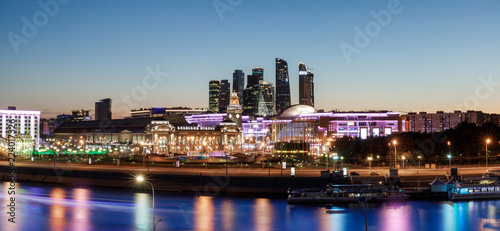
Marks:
<point>282,85</point>
<point>238,82</point>
<point>225,93</point>
<point>259,99</point>
<point>213,95</point>
<point>103,109</point>
<point>306,86</point>
<point>257,75</point>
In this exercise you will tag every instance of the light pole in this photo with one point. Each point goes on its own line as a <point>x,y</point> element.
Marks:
<point>419,157</point>
<point>205,151</point>
<point>327,158</point>
<point>487,142</point>
<point>362,200</point>
<point>370,161</point>
<point>449,159</point>
<point>403,161</point>
<point>335,158</point>
<point>395,160</point>
<point>143,160</point>
<point>141,179</point>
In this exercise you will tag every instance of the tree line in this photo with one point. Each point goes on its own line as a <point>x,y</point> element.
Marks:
<point>466,142</point>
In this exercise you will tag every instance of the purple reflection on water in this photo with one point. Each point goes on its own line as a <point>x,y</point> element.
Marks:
<point>49,207</point>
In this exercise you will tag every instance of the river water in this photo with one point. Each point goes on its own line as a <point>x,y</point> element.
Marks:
<point>53,207</point>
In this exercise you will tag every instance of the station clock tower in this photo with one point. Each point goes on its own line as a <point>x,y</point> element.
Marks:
<point>234,110</point>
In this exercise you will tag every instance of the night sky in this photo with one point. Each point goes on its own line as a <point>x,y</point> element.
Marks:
<point>430,55</point>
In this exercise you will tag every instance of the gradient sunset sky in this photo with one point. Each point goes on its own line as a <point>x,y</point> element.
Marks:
<point>430,56</point>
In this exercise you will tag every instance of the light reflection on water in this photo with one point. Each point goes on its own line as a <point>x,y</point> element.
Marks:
<point>203,213</point>
<point>81,211</point>
<point>395,218</point>
<point>228,215</point>
<point>263,214</point>
<point>42,207</point>
<point>57,210</point>
<point>142,211</point>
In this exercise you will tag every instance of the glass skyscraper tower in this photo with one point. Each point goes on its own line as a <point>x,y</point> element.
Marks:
<point>282,85</point>
<point>306,86</point>
<point>238,82</point>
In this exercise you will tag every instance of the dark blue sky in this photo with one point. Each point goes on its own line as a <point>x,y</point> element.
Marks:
<point>430,55</point>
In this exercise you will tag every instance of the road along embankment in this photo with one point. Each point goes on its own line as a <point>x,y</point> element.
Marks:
<point>164,182</point>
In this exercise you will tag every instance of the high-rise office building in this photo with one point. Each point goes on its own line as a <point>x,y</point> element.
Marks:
<point>259,99</point>
<point>257,75</point>
<point>282,85</point>
<point>213,95</point>
<point>225,93</point>
<point>103,109</point>
<point>306,86</point>
<point>238,82</point>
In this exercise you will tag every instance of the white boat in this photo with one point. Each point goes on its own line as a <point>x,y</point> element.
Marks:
<point>475,188</point>
<point>474,191</point>
<point>345,194</point>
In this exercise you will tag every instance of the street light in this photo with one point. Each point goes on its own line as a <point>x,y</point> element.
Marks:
<point>419,157</point>
<point>143,160</point>
<point>395,159</point>
<point>487,142</point>
<point>335,158</point>
<point>370,161</point>
<point>141,179</point>
<point>449,159</point>
<point>403,161</point>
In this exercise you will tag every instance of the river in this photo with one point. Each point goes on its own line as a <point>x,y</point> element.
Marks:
<point>54,207</point>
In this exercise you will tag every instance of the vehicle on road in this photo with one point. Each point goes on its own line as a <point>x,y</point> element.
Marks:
<point>354,174</point>
<point>374,174</point>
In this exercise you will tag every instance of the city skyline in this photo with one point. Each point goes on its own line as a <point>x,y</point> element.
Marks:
<point>428,57</point>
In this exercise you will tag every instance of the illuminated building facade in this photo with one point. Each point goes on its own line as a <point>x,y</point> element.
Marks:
<point>234,110</point>
<point>170,139</point>
<point>362,124</point>
<point>295,137</point>
<point>27,129</point>
<point>205,135</point>
<point>306,86</point>
<point>424,122</point>
<point>302,131</point>
<point>108,132</point>
<point>282,86</point>
<point>162,111</point>
<point>213,95</point>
